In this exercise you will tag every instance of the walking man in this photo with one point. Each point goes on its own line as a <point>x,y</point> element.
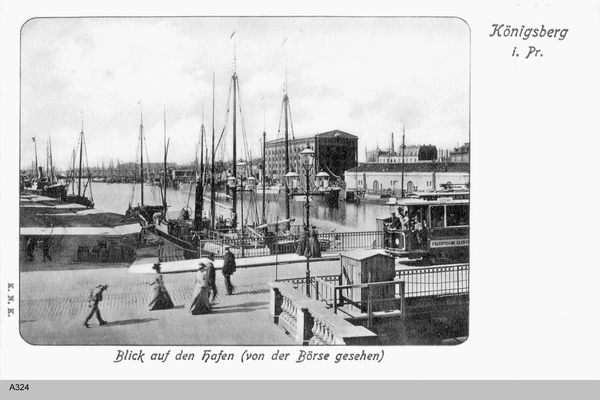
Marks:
<point>228,269</point>
<point>93,300</point>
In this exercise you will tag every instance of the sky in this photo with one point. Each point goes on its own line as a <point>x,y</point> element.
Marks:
<point>365,76</point>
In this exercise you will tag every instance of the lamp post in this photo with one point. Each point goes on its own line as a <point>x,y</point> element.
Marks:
<point>323,180</point>
<point>307,156</point>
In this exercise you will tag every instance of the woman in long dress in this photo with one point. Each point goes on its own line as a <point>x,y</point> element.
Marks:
<point>314,248</point>
<point>302,241</point>
<point>160,299</point>
<point>201,295</point>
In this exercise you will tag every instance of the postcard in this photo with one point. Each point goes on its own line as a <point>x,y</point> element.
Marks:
<point>288,196</point>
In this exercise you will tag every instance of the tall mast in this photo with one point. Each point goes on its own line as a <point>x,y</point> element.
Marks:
<point>264,169</point>
<point>80,158</point>
<point>142,157</point>
<point>403,147</point>
<point>165,163</point>
<point>286,104</point>
<point>212,166</point>
<point>47,160</point>
<point>51,170</point>
<point>37,170</point>
<point>234,167</point>
<point>73,170</point>
<point>200,183</point>
<point>287,156</point>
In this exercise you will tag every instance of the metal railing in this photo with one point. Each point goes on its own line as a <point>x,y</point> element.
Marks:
<point>436,280</point>
<point>343,241</point>
<point>390,303</point>
<point>446,280</point>
<point>319,285</point>
<point>328,288</point>
<point>271,245</point>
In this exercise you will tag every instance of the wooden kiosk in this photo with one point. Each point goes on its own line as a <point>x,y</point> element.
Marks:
<point>362,266</point>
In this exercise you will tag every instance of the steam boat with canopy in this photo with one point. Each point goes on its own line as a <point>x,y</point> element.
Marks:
<point>48,185</point>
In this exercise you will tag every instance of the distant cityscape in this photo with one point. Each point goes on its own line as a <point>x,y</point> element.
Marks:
<point>336,153</point>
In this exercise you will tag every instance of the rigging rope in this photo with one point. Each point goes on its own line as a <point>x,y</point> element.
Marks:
<point>88,170</point>
<point>252,201</point>
<point>137,154</point>
<point>152,189</point>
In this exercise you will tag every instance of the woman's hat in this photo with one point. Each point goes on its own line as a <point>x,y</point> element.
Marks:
<point>204,263</point>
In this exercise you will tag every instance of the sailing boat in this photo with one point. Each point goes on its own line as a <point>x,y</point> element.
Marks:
<point>80,197</point>
<point>145,213</point>
<point>248,230</point>
<point>321,188</point>
<point>181,235</point>
<point>229,223</point>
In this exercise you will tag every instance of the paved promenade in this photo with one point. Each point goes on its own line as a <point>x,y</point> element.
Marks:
<point>53,305</point>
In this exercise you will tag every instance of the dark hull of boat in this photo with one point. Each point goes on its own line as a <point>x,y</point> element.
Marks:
<point>146,212</point>
<point>82,200</point>
<point>331,197</point>
<point>58,192</point>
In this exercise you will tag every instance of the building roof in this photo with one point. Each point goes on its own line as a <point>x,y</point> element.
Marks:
<point>330,134</point>
<point>411,167</point>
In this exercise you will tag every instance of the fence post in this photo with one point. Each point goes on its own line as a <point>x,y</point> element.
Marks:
<point>402,298</point>
<point>457,280</point>
<point>335,300</point>
<point>369,307</point>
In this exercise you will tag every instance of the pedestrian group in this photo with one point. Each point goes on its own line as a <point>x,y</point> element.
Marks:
<point>205,289</point>
<point>308,243</point>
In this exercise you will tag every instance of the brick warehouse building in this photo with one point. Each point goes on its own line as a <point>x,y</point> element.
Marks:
<point>335,152</point>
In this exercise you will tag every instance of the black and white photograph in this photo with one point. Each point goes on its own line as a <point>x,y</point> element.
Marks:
<point>234,192</point>
<point>245,181</point>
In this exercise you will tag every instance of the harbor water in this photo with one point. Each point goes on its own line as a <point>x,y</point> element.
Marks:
<point>347,217</point>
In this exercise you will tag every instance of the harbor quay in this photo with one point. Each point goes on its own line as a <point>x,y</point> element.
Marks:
<point>353,293</point>
<point>54,304</point>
